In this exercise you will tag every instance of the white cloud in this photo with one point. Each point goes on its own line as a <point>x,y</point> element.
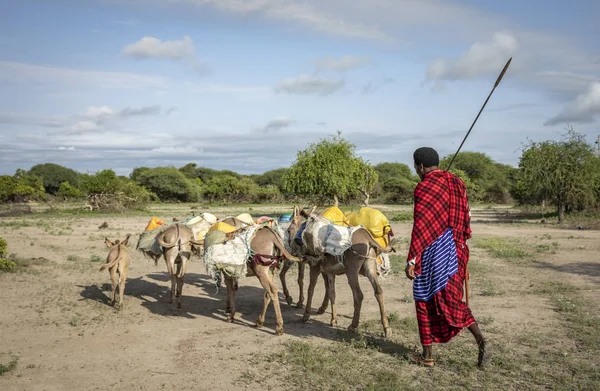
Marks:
<point>302,13</point>
<point>276,125</point>
<point>150,47</point>
<point>178,50</point>
<point>309,85</point>
<point>21,73</point>
<point>343,63</point>
<point>93,119</point>
<point>482,58</point>
<point>84,126</point>
<point>583,110</point>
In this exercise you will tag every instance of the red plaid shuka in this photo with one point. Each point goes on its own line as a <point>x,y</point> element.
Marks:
<point>441,202</point>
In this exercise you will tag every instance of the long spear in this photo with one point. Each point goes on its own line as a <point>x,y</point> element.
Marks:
<point>476,118</point>
<point>467,276</point>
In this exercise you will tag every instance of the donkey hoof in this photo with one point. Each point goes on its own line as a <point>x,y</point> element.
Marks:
<point>306,318</point>
<point>228,310</point>
<point>289,300</point>
<point>321,310</point>
<point>333,323</point>
<point>352,329</point>
<point>387,332</point>
<point>229,319</point>
<point>259,324</point>
<point>279,330</point>
<point>299,304</point>
<point>178,305</point>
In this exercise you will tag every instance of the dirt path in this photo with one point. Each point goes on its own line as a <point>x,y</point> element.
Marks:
<point>55,316</point>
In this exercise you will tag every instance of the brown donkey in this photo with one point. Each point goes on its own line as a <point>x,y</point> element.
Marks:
<point>298,217</point>
<point>117,261</point>
<point>178,246</point>
<point>267,250</point>
<point>359,259</point>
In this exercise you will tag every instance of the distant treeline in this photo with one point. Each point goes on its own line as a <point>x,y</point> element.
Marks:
<point>563,173</point>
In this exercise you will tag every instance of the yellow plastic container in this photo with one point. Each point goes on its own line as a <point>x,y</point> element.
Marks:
<point>154,223</point>
<point>372,219</point>
<point>221,226</point>
<point>383,241</point>
<point>335,215</point>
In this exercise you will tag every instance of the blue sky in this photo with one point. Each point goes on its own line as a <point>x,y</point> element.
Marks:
<point>244,85</point>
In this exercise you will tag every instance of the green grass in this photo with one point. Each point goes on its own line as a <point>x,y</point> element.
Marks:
<point>490,288</point>
<point>402,216</point>
<point>22,265</point>
<point>12,364</point>
<point>503,248</point>
<point>96,258</point>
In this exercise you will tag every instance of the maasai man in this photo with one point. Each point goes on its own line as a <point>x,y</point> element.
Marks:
<point>438,256</point>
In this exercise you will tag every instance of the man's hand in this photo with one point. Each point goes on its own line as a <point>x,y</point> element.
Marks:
<point>410,271</point>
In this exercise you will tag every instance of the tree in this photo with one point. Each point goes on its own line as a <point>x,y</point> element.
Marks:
<point>53,175</point>
<point>396,182</point>
<point>190,170</point>
<point>228,188</point>
<point>106,191</point>
<point>169,184</point>
<point>330,170</point>
<point>563,173</point>
<point>272,177</point>
<point>67,191</point>
<point>489,180</point>
<point>137,172</point>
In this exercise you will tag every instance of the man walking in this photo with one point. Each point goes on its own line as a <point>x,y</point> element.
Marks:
<point>438,257</point>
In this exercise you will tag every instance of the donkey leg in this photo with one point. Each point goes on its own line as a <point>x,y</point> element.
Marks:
<point>331,294</point>
<point>314,275</point>
<point>325,303</point>
<point>122,279</point>
<point>357,296</point>
<point>114,281</point>
<point>282,274</point>
<point>263,278</point>
<point>371,274</point>
<point>300,302</point>
<point>230,296</point>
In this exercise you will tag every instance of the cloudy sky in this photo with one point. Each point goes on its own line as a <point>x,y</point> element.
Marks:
<point>245,84</point>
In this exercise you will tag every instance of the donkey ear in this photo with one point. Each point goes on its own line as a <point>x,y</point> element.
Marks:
<point>312,210</point>
<point>108,243</point>
<point>296,211</point>
<point>126,240</point>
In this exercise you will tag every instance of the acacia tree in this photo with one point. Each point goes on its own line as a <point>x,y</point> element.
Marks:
<point>329,170</point>
<point>563,173</point>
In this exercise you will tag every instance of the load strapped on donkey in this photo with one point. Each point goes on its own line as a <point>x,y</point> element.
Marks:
<point>331,233</point>
<point>225,242</point>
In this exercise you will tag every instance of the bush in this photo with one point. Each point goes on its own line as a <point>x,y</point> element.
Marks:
<point>6,265</point>
<point>3,246</point>
<point>169,184</point>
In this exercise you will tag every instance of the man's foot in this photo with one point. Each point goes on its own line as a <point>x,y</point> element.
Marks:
<point>419,359</point>
<point>485,354</point>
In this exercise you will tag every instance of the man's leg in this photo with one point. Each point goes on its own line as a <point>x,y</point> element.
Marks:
<point>424,322</point>
<point>485,354</point>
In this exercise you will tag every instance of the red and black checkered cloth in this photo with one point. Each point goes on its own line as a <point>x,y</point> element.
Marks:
<point>441,202</point>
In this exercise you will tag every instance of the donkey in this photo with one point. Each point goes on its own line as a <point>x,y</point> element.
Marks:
<point>117,261</point>
<point>359,259</point>
<point>298,217</point>
<point>268,250</point>
<point>178,246</point>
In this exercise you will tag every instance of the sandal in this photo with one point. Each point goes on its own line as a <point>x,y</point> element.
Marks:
<point>485,353</point>
<point>419,359</point>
